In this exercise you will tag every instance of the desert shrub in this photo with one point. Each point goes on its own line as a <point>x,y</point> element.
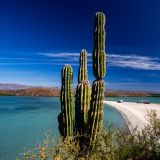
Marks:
<point>110,144</point>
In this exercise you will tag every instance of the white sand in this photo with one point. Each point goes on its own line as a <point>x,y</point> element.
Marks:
<point>135,114</point>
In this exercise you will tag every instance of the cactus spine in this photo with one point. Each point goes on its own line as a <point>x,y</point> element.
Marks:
<point>99,56</point>
<point>83,74</point>
<point>65,118</point>
<point>83,96</point>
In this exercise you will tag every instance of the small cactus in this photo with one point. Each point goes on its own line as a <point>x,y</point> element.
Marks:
<point>83,73</point>
<point>66,117</point>
<point>83,96</point>
<point>99,55</point>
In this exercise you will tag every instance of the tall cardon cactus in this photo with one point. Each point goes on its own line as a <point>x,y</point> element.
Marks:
<point>88,105</point>
<point>66,117</point>
<point>99,69</point>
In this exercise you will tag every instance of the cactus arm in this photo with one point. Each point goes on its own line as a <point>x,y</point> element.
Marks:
<point>83,73</point>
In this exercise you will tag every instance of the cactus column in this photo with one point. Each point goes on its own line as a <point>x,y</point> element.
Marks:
<point>83,96</point>
<point>99,55</point>
<point>99,69</point>
<point>83,73</point>
<point>66,117</point>
<point>96,109</point>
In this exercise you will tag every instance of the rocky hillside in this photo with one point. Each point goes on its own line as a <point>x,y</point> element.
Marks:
<point>24,90</point>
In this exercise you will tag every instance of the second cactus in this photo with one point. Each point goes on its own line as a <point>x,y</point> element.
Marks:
<point>83,96</point>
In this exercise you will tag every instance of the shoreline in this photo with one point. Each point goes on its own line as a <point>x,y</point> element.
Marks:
<point>134,114</point>
<point>74,96</point>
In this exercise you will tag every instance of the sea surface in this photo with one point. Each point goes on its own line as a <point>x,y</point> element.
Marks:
<point>24,121</point>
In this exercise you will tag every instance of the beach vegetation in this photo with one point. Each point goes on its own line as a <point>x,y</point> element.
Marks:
<point>111,144</point>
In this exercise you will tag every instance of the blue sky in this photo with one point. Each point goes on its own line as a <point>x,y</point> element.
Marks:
<point>37,37</point>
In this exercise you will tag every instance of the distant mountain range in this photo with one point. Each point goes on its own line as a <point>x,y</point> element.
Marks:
<point>24,90</point>
<point>12,89</point>
<point>13,86</point>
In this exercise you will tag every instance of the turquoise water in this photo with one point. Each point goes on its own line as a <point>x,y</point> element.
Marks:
<point>25,120</point>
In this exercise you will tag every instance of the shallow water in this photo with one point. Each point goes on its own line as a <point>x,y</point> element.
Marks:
<point>25,120</point>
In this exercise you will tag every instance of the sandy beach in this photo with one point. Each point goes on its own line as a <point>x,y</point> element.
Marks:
<point>135,114</point>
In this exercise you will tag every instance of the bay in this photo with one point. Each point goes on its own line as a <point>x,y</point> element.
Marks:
<point>24,121</point>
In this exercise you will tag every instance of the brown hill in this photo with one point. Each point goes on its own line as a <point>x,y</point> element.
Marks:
<point>32,92</point>
<point>51,92</point>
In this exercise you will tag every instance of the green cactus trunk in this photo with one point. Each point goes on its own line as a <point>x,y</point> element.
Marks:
<point>99,55</point>
<point>83,96</point>
<point>96,109</point>
<point>66,117</point>
<point>99,69</point>
<point>83,73</point>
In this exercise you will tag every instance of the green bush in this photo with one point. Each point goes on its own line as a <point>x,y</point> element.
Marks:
<point>111,144</point>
